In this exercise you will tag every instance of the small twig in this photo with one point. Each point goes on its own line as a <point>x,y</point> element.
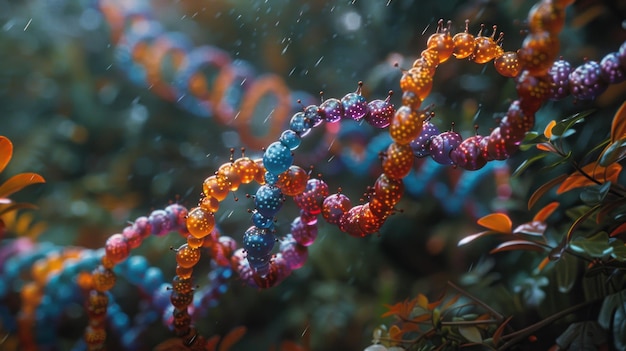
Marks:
<point>495,313</point>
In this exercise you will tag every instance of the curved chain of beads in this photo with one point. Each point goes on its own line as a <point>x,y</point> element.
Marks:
<point>204,80</point>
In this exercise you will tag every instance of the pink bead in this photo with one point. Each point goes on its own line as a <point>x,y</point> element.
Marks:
<point>133,237</point>
<point>303,234</point>
<point>294,254</point>
<point>117,248</point>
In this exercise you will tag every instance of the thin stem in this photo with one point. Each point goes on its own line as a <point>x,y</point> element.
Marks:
<point>520,334</point>
<point>586,175</point>
<point>498,316</point>
<point>484,321</point>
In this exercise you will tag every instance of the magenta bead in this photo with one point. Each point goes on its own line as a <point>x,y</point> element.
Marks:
<point>117,248</point>
<point>303,234</point>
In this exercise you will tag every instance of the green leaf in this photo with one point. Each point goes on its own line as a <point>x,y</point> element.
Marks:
<point>561,126</point>
<point>615,152</point>
<point>619,250</point>
<point>594,194</point>
<point>609,305</point>
<point>566,272</point>
<point>619,327</point>
<point>582,336</point>
<point>558,162</point>
<point>593,246</point>
<point>471,333</point>
<point>528,162</point>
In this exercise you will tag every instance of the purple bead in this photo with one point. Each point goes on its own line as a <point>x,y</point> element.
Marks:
<point>560,72</point>
<point>294,254</point>
<point>421,144</point>
<point>441,145</point>
<point>585,82</point>
<point>302,233</point>
<point>469,154</point>
<point>178,214</point>
<point>380,113</point>
<point>612,72</point>
<point>332,110</point>
<point>160,222</point>
<point>355,106</point>
<point>280,268</point>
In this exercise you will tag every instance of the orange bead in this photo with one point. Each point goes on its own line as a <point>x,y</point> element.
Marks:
<point>463,43</point>
<point>216,186</point>
<point>230,173</point>
<point>94,336</point>
<point>398,161</point>
<point>538,52</point>
<point>259,177</point>
<point>417,80</point>
<point>410,100</point>
<point>200,223</point>
<point>247,169</point>
<point>103,279</point>
<point>186,256</point>
<point>31,294</point>
<point>441,42</point>
<point>379,208</point>
<point>508,64</point>
<point>210,204</point>
<point>293,181</point>
<point>486,49</point>
<point>388,191</point>
<point>431,57</point>
<point>368,222</point>
<point>405,125</point>
<point>194,242</point>
<point>184,272</point>
<point>96,305</point>
<point>546,16</point>
<point>182,285</point>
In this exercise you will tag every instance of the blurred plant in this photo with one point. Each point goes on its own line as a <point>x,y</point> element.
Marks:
<point>214,343</point>
<point>8,220</point>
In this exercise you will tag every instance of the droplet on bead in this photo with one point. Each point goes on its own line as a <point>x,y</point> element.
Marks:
<point>200,223</point>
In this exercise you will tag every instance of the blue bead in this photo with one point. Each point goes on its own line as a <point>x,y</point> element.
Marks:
<point>152,279</point>
<point>355,106</point>
<point>268,200</point>
<point>313,116</point>
<point>277,158</point>
<point>271,178</point>
<point>290,139</point>
<point>300,124</point>
<point>258,242</point>
<point>261,221</point>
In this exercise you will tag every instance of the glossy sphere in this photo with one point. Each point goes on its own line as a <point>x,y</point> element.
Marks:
<point>334,206</point>
<point>116,248</point>
<point>442,144</point>
<point>300,124</point>
<point>430,57</point>
<point>94,336</point>
<point>187,256</point>
<point>261,221</point>
<point>260,264</point>
<point>463,44</point>
<point>612,71</point>
<point>293,181</point>
<point>313,115</point>
<point>418,81</point>
<point>621,54</point>
<point>182,285</point>
<point>443,44</point>
<point>332,110</point>
<point>379,208</point>
<point>209,204</point>
<point>230,172</point>
<point>258,242</point>
<point>538,52</point>
<point>497,146</point>
<point>411,100</point>
<point>388,191</point>
<point>103,279</point>
<point>181,300</point>
<point>303,233</point>
<point>200,223</point>
<point>585,82</point>
<point>277,158</point>
<point>268,200</point>
<point>293,253</point>
<point>290,139</point>
<point>406,125</point>
<point>486,50</point>
<point>421,144</point>
<point>355,106</point>
<point>96,305</point>
<point>507,64</point>
<point>533,90</point>
<point>544,15</point>
<point>247,169</point>
<point>216,187</point>
<point>380,113</point>
<point>184,272</point>
<point>559,72</point>
<point>398,161</point>
<point>368,222</point>
<point>314,194</point>
<point>469,155</point>
<point>349,222</point>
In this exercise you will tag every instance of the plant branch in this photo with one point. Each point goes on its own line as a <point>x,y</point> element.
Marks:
<point>495,313</point>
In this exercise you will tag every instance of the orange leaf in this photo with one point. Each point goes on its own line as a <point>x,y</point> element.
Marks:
<point>543,263</point>
<point>619,230</point>
<point>498,222</point>
<point>512,245</point>
<point>544,189</point>
<point>19,181</point>
<point>211,343</point>
<point>618,126</point>
<point>597,172</point>
<point>545,212</point>
<point>232,338</point>
<point>422,301</point>
<point>6,152</point>
<point>395,333</point>
<point>548,131</point>
<point>498,333</point>
<point>546,147</point>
